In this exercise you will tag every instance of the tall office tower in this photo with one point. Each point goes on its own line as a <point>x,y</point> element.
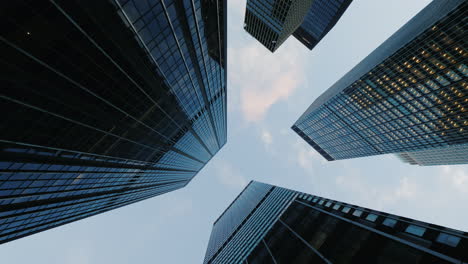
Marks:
<point>409,94</point>
<point>269,224</point>
<point>105,103</point>
<point>449,155</point>
<point>321,18</point>
<point>272,21</point>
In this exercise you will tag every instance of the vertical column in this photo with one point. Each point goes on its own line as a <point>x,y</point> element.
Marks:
<point>305,242</point>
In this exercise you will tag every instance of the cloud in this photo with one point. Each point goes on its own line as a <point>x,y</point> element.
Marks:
<point>266,138</point>
<point>457,176</point>
<point>78,254</point>
<point>262,78</point>
<point>406,189</point>
<point>237,5</point>
<point>306,156</point>
<point>229,176</point>
<point>179,206</point>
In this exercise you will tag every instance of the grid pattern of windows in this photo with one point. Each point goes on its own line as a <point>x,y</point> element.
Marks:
<point>246,221</point>
<point>415,98</point>
<point>322,16</point>
<point>109,103</point>
<point>449,155</point>
<point>271,22</point>
<point>234,215</point>
<point>312,229</point>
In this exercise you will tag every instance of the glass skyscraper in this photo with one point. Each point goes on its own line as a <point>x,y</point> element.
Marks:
<point>321,18</point>
<point>271,22</point>
<point>269,224</point>
<point>105,103</point>
<point>410,94</point>
<point>449,155</point>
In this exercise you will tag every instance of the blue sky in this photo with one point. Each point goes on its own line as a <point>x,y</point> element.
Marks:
<point>267,93</point>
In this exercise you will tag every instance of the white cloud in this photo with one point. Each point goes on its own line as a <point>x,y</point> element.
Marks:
<point>229,176</point>
<point>179,206</point>
<point>262,78</point>
<point>266,137</point>
<point>78,255</point>
<point>237,5</point>
<point>457,176</point>
<point>406,189</point>
<point>306,156</point>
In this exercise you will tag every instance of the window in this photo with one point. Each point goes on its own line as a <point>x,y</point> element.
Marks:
<point>345,209</point>
<point>372,217</point>
<point>336,206</point>
<point>448,239</point>
<point>315,200</point>
<point>321,202</point>
<point>390,222</point>
<point>415,230</point>
<point>4,165</point>
<point>328,204</point>
<point>357,213</point>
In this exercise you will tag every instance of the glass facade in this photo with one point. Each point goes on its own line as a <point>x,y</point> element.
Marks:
<point>245,222</point>
<point>271,22</point>
<point>108,102</point>
<point>449,155</point>
<point>409,94</point>
<point>308,231</point>
<point>321,18</point>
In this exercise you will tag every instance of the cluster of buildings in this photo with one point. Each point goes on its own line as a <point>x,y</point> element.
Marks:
<point>107,103</point>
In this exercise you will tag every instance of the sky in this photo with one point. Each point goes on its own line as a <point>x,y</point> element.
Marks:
<point>266,94</point>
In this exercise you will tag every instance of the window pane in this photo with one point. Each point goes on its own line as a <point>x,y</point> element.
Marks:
<point>357,212</point>
<point>389,222</point>
<point>448,239</point>
<point>415,230</point>
<point>372,217</point>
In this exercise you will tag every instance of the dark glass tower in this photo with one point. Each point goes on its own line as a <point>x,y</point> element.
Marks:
<point>271,22</point>
<point>410,94</point>
<point>321,18</point>
<point>105,103</point>
<point>269,224</point>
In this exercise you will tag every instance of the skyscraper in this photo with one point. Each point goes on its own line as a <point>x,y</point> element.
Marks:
<point>105,103</point>
<point>410,94</point>
<point>449,155</point>
<point>272,22</point>
<point>321,18</point>
<point>269,224</point>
